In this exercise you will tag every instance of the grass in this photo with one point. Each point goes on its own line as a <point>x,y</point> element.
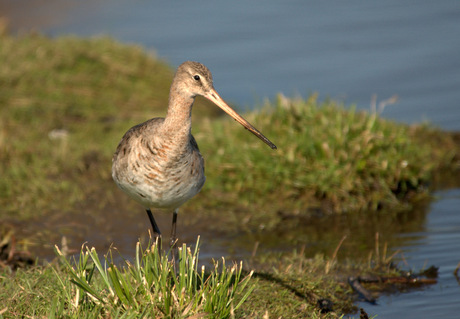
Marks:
<point>60,88</point>
<point>330,159</point>
<point>288,285</point>
<point>152,287</point>
<point>348,160</point>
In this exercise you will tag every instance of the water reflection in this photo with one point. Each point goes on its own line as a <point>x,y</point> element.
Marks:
<point>437,243</point>
<point>121,222</point>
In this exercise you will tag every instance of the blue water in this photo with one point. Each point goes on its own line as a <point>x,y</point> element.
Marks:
<point>347,50</point>
<point>439,245</point>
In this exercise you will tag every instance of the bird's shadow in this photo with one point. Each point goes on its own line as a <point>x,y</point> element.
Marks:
<point>325,305</point>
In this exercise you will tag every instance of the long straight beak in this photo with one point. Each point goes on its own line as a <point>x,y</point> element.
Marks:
<point>214,97</point>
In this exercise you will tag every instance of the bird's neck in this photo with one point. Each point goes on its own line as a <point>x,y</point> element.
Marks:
<point>178,120</point>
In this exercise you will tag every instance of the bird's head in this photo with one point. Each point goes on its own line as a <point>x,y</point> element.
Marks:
<point>193,78</point>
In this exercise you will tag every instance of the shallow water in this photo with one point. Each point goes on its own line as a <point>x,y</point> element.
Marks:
<point>346,50</point>
<point>438,243</point>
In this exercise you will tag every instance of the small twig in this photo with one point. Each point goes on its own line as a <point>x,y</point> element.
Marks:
<point>385,250</point>
<point>302,250</point>
<point>363,314</point>
<point>12,249</point>
<point>392,256</point>
<point>374,104</point>
<point>378,109</point>
<point>338,247</point>
<point>334,255</point>
<point>404,260</point>
<point>399,280</point>
<point>389,101</point>
<point>355,284</point>
<point>3,311</point>
<point>377,251</point>
<point>254,250</point>
<point>456,272</point>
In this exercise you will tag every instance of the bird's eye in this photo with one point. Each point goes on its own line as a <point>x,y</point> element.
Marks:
<point>197,77</point>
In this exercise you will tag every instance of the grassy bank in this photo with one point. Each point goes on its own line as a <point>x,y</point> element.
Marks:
<point>64,105</point>
<point>330,158</point>
<point>152,286</point>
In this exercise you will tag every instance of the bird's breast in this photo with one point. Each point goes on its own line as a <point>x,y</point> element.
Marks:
<point>161,174</point>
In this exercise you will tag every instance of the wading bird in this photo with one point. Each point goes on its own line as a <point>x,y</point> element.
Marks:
<point>158,162</point>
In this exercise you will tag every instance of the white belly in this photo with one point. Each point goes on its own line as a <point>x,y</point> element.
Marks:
<point>170,195</point>
<point>160,184</point>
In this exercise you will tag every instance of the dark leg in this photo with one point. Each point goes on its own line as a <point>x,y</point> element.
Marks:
<point>173,247</point>
<point>173,228</point>
<point>156,230</point>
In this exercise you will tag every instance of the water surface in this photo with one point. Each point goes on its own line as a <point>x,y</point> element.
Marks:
<point>438,243</point>
<point>347,50</point>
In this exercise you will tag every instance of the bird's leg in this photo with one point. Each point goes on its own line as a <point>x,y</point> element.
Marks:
<point>173,228</point>
<point>173,247</point>
<point>156,230</point>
